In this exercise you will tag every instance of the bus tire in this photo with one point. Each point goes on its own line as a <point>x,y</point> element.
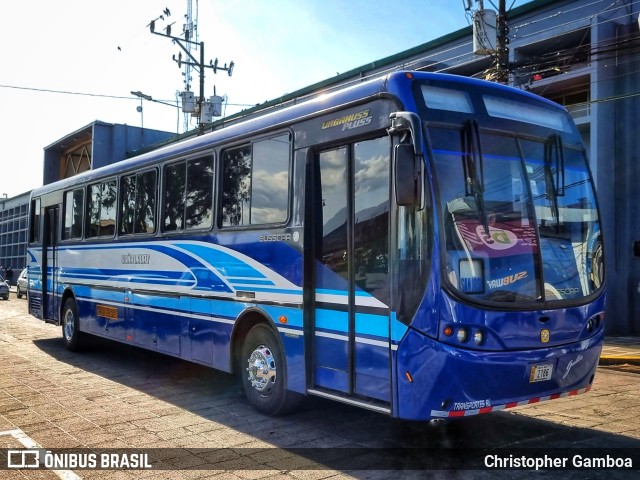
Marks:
<point>263,373</point>
<point>71,334</point>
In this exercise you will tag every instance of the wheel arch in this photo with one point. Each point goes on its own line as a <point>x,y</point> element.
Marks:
<point>66,295</point>
<point>248,319</point>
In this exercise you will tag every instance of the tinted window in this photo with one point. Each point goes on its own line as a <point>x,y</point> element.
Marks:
<point>73,204</point>
<point>188,196</point>
<point>255,183</point>
<point>138,203</point>
<point>102,209</point>
<point>34,233</point>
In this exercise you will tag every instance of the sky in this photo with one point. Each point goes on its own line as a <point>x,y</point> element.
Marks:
<point>68,63</point>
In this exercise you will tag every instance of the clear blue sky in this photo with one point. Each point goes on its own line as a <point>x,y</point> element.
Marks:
<point>104,50</point>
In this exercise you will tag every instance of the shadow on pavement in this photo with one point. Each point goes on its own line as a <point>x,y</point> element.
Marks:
<point>364,444</point>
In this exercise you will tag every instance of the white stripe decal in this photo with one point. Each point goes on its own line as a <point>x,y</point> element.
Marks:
<point>362,340</point>
<point>290,331</point>
<point>377,343</point>
<point>332,335</point>
<point>162,310</point>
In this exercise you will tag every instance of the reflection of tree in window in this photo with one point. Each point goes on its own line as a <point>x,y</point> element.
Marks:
<point>175,176</point>
<point>108,208</point>
<point>102,209</point>
<point>199,194</point>
<point>128,187</point>
<point>236,180</point>
<point>138,203</point>
<point>188,194</point>
<point>146,202</point>
<point>255,183</point>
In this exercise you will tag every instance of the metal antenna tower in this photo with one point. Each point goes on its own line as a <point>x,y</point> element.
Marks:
<point>204,109</point>
<point>190,30</point>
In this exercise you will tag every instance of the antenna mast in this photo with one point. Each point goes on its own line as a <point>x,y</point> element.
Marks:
<point>190,30</point>
<point>201,107</point>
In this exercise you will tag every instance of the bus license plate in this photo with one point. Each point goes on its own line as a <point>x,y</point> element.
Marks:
<point>540,373</point>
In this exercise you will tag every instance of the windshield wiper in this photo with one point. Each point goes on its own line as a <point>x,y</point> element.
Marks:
<point>473,170</point>
<point>554,185</point>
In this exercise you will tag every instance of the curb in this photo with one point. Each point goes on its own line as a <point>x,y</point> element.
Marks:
<point>622,360</point>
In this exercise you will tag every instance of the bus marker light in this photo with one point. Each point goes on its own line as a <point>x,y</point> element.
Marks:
<point>448,331</point>
<point>409,377</point>
<point>478,338</point>
<point>283,319</point>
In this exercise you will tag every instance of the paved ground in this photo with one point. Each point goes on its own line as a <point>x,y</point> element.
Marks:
<point>621,350</point>
<point>115,396</point>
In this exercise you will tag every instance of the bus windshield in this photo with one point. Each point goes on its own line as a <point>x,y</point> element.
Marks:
<point>519,214</point>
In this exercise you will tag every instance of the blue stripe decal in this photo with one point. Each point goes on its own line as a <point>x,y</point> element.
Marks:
<point>375,325</point>
<point>332,320</point>
<point>207,280</point>
<point>226,264</point>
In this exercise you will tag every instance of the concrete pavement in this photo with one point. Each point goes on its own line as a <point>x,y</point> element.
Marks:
<point>617,350</point>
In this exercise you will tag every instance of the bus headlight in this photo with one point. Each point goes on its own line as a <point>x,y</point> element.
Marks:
<point>478,338</point>
<point>462,335</point>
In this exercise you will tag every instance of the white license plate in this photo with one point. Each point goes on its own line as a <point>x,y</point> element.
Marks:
<point>540,373</point>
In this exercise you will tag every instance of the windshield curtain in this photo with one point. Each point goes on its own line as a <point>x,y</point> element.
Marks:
<point>520,217</point>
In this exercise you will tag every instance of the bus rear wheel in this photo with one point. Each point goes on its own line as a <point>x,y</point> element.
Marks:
<point>263,373</point>
<point>71,334</point>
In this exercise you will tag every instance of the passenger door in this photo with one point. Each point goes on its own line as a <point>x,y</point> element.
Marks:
<point>349,205</point>
<point>51,309</point>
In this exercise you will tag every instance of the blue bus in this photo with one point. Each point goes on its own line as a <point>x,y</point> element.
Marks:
<point>421,245</point>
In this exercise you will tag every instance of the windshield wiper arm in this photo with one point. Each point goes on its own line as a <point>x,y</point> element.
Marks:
<point>473,170</point>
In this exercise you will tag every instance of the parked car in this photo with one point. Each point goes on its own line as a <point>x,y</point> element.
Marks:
<point>21,283</point>
<point>4,288</point>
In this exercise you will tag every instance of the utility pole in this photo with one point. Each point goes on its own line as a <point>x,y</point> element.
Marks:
<point>190,33</point>
<point>502,49</point>
<point>184,44</point>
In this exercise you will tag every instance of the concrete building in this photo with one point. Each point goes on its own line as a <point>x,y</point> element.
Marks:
<point>92,146</point>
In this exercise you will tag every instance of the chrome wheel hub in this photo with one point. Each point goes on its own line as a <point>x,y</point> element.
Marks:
<point>262,370</point>
<point>69,326</point>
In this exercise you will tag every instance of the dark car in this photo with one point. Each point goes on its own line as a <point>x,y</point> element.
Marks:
<point>21,283</point>
<point>4,288</point>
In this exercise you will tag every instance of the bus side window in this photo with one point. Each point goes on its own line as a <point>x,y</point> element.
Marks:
<point>255,183</point>
<point>34,227</point>
<point>138,203</point>
<point>188,195</point>
<point>101,209</point>
<point>73,205</point>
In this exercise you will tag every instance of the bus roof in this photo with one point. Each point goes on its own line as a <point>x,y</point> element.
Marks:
<point>277,116</point>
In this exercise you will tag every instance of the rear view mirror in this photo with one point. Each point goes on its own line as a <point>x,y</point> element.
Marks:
<point>408,176</point>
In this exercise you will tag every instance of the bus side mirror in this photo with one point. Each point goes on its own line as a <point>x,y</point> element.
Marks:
<point>408,176</point>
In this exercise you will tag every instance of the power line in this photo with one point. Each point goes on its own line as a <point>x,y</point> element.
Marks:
<point>65,92</point>
<point>98,95</point>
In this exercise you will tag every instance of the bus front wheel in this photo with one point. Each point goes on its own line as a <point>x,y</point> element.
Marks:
<point>70,326</point>
<point>263,373</point>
